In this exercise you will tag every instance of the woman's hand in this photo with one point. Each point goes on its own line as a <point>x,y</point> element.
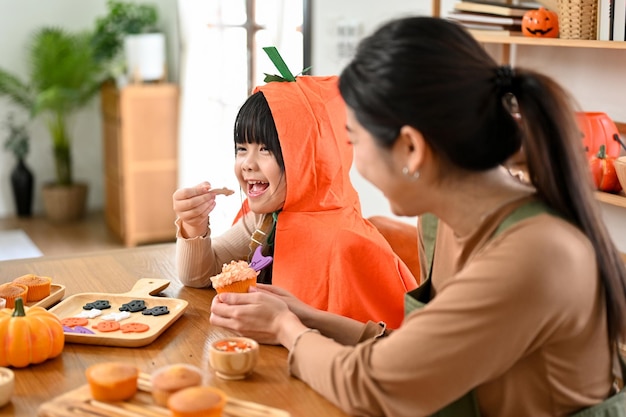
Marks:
<point>257,314</point>
<point>192,206</point>
<point>300,309</point>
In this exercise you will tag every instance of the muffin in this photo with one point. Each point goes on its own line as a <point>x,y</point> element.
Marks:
<point>112,381</point>
<point>237,276</point>
<point>11,290</point>
<point>170,379</point>
<point>201,401</point>
<point>38,286</point>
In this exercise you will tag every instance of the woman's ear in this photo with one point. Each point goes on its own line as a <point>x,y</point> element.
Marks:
<point>411,147</point>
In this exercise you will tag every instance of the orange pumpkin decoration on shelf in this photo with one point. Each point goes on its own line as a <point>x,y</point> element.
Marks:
<point>540,23</point>
<point>603,172</point>
<point>29,335</point>
<point>598,129</point>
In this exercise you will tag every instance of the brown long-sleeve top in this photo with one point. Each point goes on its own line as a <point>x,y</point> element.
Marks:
<point>520,318</point>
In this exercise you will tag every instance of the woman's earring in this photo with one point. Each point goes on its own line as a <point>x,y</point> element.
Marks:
<point>414,176</point>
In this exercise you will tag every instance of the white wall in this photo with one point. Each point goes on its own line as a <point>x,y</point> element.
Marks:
<point>18,20</point>
<point>595,77</point>
<point>326,59</point>
<point>596,80</point>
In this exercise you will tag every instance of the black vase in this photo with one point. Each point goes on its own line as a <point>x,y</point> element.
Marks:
<point>22,184</point>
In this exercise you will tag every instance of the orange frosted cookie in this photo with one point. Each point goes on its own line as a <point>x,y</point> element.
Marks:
<point>12,290</point>
<point>201,401</point>
<point>112,381</point>
<point>38,286</point>
<point>237,276</point>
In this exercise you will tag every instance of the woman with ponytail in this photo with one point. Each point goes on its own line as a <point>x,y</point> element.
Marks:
<point>525,292</point>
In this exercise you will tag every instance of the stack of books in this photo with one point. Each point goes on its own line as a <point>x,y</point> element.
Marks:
<point>491,16</point>
<point>612,20</point>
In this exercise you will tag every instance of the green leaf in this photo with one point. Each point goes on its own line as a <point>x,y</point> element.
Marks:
<point>122,18</point>
<point>278,61</point>
<point>63,75</point>
<point>307,69</point>
<point>15,90</point>
<point>269,78</point>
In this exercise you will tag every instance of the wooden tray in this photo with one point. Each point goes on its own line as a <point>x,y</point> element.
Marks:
<point>142,290</point>
<point>78,403</point>
<point>57,292</point>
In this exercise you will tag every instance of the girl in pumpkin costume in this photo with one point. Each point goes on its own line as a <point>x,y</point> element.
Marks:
<point>303,209</point>
<point>525,291</point>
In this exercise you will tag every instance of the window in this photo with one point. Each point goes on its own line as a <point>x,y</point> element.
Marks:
<point>221,62</point>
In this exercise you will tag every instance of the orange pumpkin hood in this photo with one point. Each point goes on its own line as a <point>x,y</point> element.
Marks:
<point>322,243</point>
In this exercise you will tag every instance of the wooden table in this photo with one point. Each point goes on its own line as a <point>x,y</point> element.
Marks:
<point>186,340</point>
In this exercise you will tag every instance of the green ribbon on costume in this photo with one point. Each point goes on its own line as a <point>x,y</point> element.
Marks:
<point>285,74</point>
<point>272,234</point>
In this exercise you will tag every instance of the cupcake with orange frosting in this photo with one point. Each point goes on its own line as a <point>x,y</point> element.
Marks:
<point>38,286</point>
<point>236,276</point>
<point>10,291</point>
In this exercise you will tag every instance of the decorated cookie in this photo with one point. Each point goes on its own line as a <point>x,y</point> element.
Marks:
<point>89,314</point>
<point>74,321</point>
<point>156,311</point>
<point>134,306</point>
<point>77,329</point>
<point>99,304</point>
<point>116,316</point>
<point>134,328</point>
<point>107,326</point>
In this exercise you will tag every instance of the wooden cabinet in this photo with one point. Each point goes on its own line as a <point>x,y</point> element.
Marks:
<point>140,131</point>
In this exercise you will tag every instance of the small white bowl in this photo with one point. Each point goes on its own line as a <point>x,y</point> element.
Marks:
<point>3,303</point>
<point>7,384</point>
<point>233,357</point>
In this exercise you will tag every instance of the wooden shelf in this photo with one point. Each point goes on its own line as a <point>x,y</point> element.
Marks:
<point>571,43</point>
<point>618,200</point>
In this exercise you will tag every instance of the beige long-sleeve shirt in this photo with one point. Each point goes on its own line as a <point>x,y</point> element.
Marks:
<point>520,318</point>
<point>199,258</point>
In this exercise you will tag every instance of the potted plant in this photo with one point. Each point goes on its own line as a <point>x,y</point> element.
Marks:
<point>63,77</point>
<point>17,142</point>
<point>128,41</point>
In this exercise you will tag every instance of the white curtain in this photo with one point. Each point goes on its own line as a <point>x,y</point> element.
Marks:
<point>213,85</point>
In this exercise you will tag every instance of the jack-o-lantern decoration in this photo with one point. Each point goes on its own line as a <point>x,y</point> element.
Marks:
<point>540,23</point>
<point>597,129</point>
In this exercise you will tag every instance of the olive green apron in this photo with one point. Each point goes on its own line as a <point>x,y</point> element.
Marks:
<point>467,405</point>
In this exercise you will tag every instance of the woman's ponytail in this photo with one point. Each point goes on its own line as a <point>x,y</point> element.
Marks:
<point>559,171</point>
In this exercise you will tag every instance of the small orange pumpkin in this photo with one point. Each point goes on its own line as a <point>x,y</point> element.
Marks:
<point>540,23</point>
<point>603,172</point>
<point>29,335</point>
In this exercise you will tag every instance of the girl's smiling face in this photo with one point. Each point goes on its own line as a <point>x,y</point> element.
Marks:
<point>260,177</point>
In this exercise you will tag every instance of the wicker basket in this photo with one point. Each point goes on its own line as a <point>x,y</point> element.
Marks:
<point>578,19</point>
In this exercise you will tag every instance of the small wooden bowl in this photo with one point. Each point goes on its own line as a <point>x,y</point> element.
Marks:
<point>7,384</point>
<point>233,357</point>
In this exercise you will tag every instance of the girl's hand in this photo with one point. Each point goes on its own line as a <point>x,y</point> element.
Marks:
<point>192,206</point>
<point>257,314</point>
